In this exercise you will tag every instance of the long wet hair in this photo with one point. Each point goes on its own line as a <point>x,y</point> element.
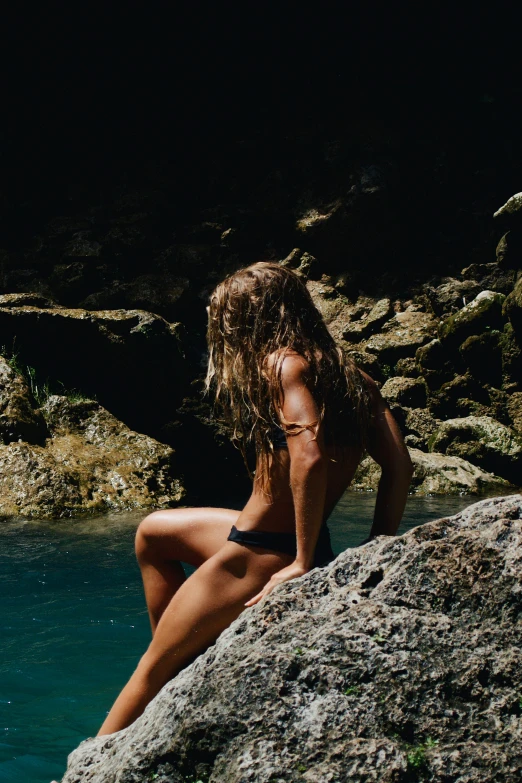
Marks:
<point>257,316</point>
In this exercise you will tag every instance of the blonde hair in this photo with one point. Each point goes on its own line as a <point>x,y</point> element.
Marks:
<point>262,311</point>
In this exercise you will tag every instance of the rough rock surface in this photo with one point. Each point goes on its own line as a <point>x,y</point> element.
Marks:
<point>384,299</point>
<point>482,441</point>
<point>409,392</point>
<point>91,462</point>
<point>131,360</point>
<point>399,662</point>
<point>451,294</point>
<point>511,210</point>
<point>19,420</point>
<point>419,426</point>
<point>484,312</point>
<point>370,323</point>
<point>402,335</point>
<point>434,474</point>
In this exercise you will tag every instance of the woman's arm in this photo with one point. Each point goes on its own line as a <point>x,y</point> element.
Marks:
<point>388,449</point>
<point>308,469</point>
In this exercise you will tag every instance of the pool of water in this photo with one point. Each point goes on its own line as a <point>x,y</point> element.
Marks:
<point>73,625</point>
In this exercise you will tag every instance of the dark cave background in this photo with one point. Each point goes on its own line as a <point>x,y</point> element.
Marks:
<point>235,110</point>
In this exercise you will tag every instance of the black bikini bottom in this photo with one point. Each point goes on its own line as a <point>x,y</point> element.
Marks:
<point>285,542</point>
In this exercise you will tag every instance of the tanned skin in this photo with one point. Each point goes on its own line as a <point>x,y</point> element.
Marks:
<point>187,615</point>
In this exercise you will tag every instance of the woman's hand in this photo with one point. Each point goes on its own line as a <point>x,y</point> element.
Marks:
<point>293,571</point>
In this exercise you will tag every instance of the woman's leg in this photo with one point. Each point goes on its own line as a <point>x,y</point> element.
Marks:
<point>202,608</point>
<point>164,538</point>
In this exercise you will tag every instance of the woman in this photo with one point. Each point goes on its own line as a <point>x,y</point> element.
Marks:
<point>283,386</point>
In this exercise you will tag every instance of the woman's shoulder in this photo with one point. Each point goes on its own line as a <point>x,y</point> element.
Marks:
<point>290,365</point>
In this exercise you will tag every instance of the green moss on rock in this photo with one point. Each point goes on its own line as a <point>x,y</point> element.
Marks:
<point>483,313</point>
<point>484,442</point>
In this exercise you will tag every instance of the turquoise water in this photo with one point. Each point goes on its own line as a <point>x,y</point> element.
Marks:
<point>73,625</point>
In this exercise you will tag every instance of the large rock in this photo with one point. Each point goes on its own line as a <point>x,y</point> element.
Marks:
<point>484,312</point>
<point>160,294</point>
<point>419,426</point>
<point>399,662</point>
<point>451,294</point>
<point>407,392</point>
<point>131,360</point>
<point>457,395</point>
<point>434,474</point>
<point>484,442</point>
<point>511,212</point>
<point>491,277</point>
<point>402,335</point>
<point>91,463</point>
<point>370,323</point>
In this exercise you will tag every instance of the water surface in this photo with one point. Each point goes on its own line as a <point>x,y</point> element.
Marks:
<point>73,625</point>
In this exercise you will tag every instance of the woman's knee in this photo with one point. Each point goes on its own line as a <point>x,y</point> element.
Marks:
<point>151,531</point>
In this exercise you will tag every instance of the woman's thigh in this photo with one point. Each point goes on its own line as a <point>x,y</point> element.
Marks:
<point>207,603</point>
<point>192,535</point>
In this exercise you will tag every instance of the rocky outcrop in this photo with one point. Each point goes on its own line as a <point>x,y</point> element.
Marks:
<point>514,407</point>
<point>511,211</point>
<point>131,360</point>
<point>412,320</point>
<point>434,474</point>
<point>402,335</point>
<point>369,323</point>
<point>399,662</point>
<point>19,419</point>
<point>419,425</point>
<point>482,441</point>
<point>408,392</point>
<point>90,462</point>
<point>484,312</point>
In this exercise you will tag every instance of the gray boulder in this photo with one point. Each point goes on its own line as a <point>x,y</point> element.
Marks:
<point>159,294</point>
<point>399,662</point>
<point>511,211</point>
<point>419,426</point>
<point>484,442</point>
<point>402,335</point>
<point>90,463</point>
<point>492,277</point>
<point>370,323</point>
<point>451,294</point>
<point>434,474</point>
<point>484,312</point>
<point>407,392</point>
